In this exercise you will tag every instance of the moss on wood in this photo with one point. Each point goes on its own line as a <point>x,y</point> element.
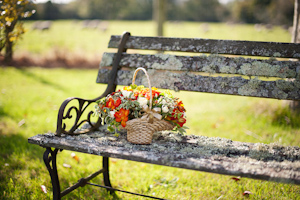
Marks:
<point>211,154</point>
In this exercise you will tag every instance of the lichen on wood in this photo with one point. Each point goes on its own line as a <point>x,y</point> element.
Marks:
<point>250,88</point>
<point>272,162</point>
<point>212,64</point>
<point>199,45</point>
<point>107,60</point>
<point>171,62</point>
<point>260,68</point>
<point>188,81</point>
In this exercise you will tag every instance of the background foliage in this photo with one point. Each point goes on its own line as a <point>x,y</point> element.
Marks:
<point>10,27</point>
<point>278,12</point>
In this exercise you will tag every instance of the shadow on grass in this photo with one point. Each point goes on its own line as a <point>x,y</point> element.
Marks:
<point>19,163</point>
<point>22,163</point>
<point>16,144</point>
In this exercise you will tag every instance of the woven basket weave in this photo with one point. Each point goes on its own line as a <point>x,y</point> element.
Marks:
<point>140,130</point>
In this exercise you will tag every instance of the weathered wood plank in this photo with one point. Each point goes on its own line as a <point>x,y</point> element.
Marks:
<point>198,45</point>
<point>210,64</point>
<point>217,155</point>
<point>280,89</point>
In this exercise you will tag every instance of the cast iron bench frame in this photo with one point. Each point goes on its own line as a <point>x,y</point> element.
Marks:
<point>289,69</point>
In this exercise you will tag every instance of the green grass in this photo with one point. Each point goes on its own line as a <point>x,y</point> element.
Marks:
<point>69,37</point>
<point>34,95</point>
<point>30,98</point>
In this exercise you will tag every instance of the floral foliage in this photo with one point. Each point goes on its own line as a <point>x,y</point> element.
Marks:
<point>133,101</point>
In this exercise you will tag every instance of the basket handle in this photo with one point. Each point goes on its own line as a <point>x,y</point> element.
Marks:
<point>149,84</point>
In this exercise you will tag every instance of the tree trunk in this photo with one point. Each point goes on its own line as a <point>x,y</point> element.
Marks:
<point>8,52</point>
<point>295,105</point>
<point>159,8</point>
<point>8,44</point>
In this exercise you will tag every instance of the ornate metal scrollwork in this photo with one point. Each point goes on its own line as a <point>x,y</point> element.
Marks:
<point>66,113</point>
<point>63,114</point>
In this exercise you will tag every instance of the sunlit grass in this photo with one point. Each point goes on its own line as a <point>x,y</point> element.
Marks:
<point>69,36</point>
<point>30,98</point>
<point>29,103</point>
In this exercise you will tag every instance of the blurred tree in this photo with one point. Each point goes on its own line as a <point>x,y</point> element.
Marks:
<point>263,11</point>
<point>277,12</point>
<point>51,11</point>
<point>136,10</point>
<point>10,26</point>
<point>201,10</point>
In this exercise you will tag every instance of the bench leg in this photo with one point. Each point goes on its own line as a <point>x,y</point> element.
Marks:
<point>105,163</point>
<point>50,157</point>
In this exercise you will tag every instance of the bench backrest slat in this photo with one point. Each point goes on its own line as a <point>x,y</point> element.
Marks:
<point>210,64</point>
<point>213,73</point>
<point>197,45</point>
<point>279,89</point>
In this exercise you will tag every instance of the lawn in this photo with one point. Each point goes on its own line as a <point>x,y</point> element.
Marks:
<point>65,37</point>
<point>30,98</point>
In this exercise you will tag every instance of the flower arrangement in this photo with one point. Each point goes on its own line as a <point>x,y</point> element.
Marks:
<point>133,101</point>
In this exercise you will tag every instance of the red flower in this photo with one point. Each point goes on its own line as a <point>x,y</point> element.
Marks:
<point>180,106</point>
<point>181,121</point>
<point>122,116</point>
<point>112,104</point>
<point>118,102</point>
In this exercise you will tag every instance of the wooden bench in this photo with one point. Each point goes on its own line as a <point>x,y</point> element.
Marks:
<point>210,72</point>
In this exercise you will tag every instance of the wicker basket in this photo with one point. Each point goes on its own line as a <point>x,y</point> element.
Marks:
<point>140,130</point>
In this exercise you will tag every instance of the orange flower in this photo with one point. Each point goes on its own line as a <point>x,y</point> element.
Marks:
<point>180,121</point>
<point>180,106</point>
<point>118,102</point>
<point>122,116</point>
<point>136,95</point>
<point>146,92</point>
<point>112,104</point>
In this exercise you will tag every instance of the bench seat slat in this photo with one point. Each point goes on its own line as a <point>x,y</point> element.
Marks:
<point>190,152</point>
<point>197,45</point>
<point>209,64</point>
<point>280,89</point>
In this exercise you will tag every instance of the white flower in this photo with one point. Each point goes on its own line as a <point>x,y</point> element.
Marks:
<point>165,109</point>
<point>112,114</point>
<point>142,101</point>
<point>157,109</point>
<point>163,102</point>
<point>126,93</point>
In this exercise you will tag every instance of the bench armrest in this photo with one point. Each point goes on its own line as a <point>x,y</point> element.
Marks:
<point>67,110</point>
<point>84,103</point>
